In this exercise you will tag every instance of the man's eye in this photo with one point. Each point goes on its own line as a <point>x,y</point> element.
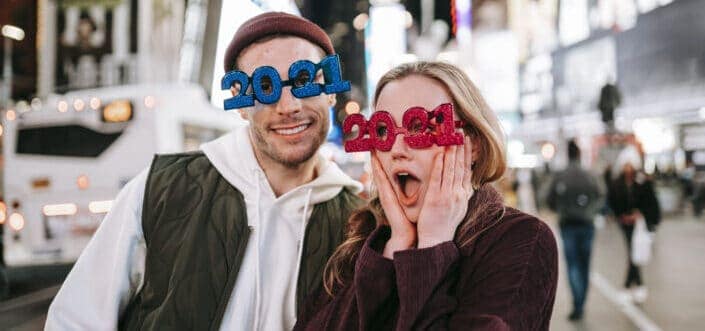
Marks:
<point>266,85</point>
<point>301,79</point>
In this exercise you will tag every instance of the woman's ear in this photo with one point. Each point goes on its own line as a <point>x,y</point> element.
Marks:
<point>332,100</point>
<point>476,147</point>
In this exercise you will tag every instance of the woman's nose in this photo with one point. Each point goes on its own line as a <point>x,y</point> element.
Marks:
<point>400,150</point>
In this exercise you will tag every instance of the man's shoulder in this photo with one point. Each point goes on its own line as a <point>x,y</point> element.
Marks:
<point>193,162</point>
<point>573,172</point>
<point>182,184</point>
<point>345,201</point>
<point>174,157</point>
<point>350,195</point>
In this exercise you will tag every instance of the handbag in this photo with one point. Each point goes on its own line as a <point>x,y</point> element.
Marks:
<point>641,243</point>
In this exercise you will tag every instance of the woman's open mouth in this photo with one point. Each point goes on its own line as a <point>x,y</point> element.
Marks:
<point>409,188</point>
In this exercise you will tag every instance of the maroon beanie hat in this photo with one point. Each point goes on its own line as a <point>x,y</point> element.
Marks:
<point>272,23</point>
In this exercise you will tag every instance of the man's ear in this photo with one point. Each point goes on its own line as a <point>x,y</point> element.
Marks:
<point>244,114</point>
<point>332,100</point>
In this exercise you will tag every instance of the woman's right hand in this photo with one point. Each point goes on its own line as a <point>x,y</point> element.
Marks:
<point>403,231</point>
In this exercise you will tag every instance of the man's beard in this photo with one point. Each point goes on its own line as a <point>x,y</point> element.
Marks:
<point>286,159</point>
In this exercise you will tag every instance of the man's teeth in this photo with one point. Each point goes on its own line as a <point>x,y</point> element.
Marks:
<point>403,174</point>
<point>293,130</point>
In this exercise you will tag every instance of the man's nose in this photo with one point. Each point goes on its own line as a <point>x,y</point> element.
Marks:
<point>288,104</point>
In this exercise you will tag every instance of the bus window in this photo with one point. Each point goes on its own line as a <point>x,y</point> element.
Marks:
<point>66,140</point>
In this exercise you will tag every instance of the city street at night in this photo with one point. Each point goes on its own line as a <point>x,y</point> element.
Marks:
<point>329,165</point>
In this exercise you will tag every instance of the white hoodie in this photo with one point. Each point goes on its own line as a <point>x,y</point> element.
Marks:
<point>110,271</point>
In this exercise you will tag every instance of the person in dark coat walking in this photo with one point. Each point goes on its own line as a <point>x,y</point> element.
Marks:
<point>438,249</point>
<point>631,196</point>
<point>577,197</point>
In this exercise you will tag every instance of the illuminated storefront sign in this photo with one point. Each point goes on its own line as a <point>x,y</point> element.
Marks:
<point>385,41</point>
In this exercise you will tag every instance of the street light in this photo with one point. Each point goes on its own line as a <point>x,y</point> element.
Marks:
<point>10,32</point>
<point>13,32</point>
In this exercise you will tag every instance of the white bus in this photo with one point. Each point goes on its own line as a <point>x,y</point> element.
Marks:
<point>65,163</point>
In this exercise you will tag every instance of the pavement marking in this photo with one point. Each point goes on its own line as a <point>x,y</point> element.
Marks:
<point>43,295</point>
<point>627,307</point>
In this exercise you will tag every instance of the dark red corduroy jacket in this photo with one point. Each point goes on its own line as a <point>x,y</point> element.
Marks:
<point>504,279</point>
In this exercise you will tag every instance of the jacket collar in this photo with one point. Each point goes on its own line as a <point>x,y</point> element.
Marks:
<point>485,209</point>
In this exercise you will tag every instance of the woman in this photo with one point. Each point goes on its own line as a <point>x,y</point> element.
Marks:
<point>631,197</point>
<point>438,249</point>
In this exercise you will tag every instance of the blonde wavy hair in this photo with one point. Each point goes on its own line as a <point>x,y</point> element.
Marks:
<point>481,124</point>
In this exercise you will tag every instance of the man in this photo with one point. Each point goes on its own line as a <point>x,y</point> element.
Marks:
<point>610,98</point>
<point>234,237</point>
<point>577,197</point>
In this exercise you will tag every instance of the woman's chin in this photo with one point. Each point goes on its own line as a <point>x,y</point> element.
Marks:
<point>412,214</point>
<point>411,205</point>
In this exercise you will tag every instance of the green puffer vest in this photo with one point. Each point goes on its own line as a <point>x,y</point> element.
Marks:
<point>195,227</point>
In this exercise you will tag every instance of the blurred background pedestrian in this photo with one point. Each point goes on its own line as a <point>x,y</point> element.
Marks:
<point>632,197</point>
<point>576,195</point>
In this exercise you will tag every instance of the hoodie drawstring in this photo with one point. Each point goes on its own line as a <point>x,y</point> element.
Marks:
<point>258,229</point>
<point>302,232</point>
<point>304,216</point>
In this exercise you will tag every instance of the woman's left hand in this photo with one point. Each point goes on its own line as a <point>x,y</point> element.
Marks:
<point>449,190</point>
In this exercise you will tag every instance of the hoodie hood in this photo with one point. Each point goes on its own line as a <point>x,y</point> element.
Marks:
<point>232,155</point>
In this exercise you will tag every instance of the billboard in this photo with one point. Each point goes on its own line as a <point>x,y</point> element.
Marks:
<point>94,43</point>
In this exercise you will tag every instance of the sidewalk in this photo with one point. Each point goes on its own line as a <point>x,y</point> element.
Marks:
<point>675,279</point>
